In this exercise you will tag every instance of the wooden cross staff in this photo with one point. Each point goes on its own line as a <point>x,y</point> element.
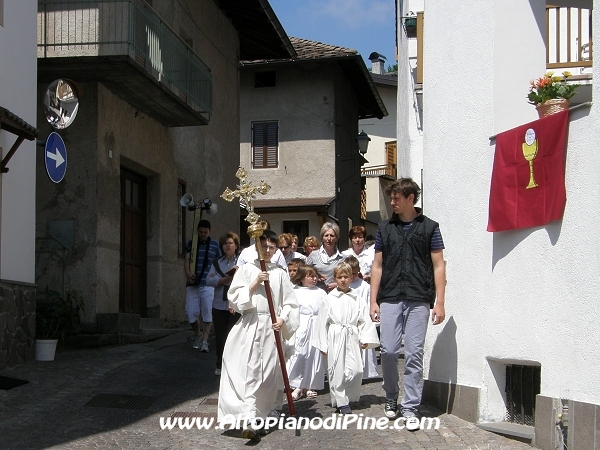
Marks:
<point>247,193</point>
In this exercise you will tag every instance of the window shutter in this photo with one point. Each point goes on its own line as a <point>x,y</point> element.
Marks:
<point>271,144</point>
<point>265,143</point>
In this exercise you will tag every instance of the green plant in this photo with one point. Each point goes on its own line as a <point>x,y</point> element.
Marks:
<point>58,317</point>
<point>550,87</point>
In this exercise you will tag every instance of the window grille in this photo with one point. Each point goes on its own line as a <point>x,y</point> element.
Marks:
<point>522,386</point>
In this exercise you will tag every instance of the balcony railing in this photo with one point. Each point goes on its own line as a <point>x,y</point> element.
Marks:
<point>105,28</point>
<point>568,38</point>
<point>385,170</point>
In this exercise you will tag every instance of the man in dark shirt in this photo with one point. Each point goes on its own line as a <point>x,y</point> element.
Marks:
<point>199,296</point>
<point>408,278</point>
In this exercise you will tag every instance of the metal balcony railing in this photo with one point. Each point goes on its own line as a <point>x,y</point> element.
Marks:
<point>568,38</point>
<point>87,28</point>
<point>388,170</point>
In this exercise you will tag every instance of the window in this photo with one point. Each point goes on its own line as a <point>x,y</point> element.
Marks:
<point>522,386</point>
<point>181,220</point>
<point>265,142</point>
<point>264,79</point>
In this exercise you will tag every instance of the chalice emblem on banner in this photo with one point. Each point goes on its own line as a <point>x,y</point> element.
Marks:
<point>530,150</point>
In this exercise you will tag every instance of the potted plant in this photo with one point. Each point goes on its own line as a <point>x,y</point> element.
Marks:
<point>56,317</point>
<point>551,94</point>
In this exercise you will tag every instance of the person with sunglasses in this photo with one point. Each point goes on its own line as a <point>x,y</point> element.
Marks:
<point>285,243</point>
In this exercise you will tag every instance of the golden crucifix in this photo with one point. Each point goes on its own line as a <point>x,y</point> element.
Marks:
<point>247,193</point>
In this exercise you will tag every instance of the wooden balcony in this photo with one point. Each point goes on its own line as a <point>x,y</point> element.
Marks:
<point>568,39</point>
<point>385,170</point>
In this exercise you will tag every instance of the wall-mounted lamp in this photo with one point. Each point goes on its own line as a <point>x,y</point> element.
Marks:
<point>363,142</point>
<point>410,25</point>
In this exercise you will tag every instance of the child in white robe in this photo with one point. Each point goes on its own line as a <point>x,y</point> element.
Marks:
<point>251,379</point>
<point>363,291</point>
<point>305,368</point>
<point>343,328</point>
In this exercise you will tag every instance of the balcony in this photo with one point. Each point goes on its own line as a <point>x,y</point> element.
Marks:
<point>569,39</point>
<point>385,170</point>
<point>127,47</point>
<point>569,47</point>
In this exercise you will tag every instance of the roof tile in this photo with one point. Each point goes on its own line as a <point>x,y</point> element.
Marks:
<point>313,50</point>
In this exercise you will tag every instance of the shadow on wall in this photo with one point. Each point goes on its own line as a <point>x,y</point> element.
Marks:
<point>440,388</point>
<point>505,242</point>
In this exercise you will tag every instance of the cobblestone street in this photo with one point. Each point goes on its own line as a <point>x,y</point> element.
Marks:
<point>50,411</point>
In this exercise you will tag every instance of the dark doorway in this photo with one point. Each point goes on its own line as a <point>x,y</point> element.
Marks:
<point>297,227</point>
<point>132,280</point>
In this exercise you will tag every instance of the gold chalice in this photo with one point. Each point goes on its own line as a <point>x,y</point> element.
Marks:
<point>530,152</point>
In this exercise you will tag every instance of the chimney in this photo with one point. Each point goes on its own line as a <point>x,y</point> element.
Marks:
<point>377,63</point>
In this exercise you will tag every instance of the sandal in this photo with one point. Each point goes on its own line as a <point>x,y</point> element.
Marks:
<point>297,394</point>
<point>311,394</point>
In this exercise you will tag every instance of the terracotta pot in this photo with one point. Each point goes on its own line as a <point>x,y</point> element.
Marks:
<point>552,106</point>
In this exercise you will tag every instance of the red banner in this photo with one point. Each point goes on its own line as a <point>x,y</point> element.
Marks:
<point>528,179</point>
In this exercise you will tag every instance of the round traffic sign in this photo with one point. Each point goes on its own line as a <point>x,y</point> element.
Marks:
<point>55,157</point>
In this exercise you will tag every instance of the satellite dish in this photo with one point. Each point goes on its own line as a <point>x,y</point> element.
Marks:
<point>61,103</point>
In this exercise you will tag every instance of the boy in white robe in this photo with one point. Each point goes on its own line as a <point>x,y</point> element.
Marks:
<point>251,379</point>
<point>344,326</point>
<point>363,291</point>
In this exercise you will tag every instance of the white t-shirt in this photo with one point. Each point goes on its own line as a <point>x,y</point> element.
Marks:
<point>365,258</point>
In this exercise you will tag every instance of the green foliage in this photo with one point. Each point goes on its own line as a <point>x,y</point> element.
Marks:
<point>392,69</point>
<point>550,87</point>
<point>58,317</point>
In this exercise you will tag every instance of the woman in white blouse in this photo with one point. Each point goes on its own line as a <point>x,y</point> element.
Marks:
<point>360,251</point>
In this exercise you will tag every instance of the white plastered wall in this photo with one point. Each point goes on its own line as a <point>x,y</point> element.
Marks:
<point>525,296</point>
<point>18,73</point>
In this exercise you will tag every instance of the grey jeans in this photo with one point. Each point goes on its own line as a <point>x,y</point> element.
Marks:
<point>409,318</point>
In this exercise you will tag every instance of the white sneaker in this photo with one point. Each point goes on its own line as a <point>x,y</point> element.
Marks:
<point>204,347</point>
<point>218,372</point>
<point>412,426</point>
<point>197,341</point>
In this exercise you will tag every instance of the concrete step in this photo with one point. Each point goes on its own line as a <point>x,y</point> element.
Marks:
<point>151,323</point>
<point>521,433</point>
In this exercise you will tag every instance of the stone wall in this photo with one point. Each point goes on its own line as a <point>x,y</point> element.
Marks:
<point>17,324</point>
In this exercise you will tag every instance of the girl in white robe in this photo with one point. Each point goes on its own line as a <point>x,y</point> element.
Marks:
<point>305,368</point>
<point>251,380</point>
<point>343,328</point>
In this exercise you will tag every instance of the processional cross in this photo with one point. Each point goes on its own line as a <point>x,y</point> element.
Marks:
<point>247,193</point>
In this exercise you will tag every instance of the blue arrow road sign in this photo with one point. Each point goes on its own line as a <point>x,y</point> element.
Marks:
<point>55,157</point>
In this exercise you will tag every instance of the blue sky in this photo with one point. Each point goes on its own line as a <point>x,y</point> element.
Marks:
<point>364,25</point>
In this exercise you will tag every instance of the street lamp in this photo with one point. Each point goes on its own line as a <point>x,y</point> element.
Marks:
<point>363,142</point>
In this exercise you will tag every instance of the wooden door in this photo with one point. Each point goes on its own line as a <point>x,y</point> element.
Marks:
<point>133,243</point>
